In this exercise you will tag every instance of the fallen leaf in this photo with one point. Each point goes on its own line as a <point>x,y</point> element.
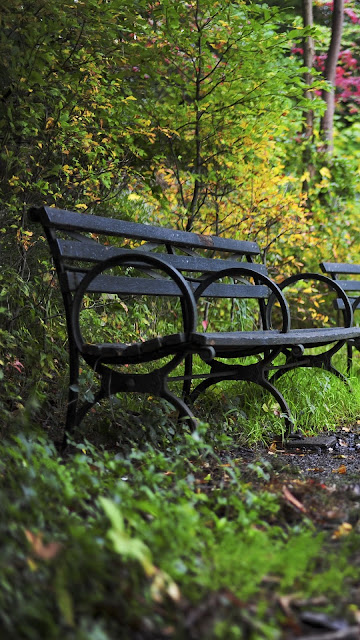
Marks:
<point>341,469</point>
<point>294,501</point>
<point>356,615</point>
<point>162,584</point>
<point>285,603</point>
<point>343,530</point>
<point>41,550</point>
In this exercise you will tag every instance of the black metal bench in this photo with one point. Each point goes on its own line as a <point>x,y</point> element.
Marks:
<point>348,277</point>
<point>167,263</point>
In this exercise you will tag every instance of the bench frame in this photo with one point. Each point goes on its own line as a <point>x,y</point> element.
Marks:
<point>191,277</point>
<point>352,289</point>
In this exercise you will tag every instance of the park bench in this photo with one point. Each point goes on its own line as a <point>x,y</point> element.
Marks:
<point>347,276</point>
<point>184,266</point>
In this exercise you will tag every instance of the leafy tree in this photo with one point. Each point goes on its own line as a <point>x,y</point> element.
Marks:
<point>214,165</point>
<point>67,118</point>
<point>67,125</point>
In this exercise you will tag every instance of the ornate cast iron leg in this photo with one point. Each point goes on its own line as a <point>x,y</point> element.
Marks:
<point>320,361</point>
<point>187,372</point>
<point>251,373</point>
<point>349,357</point>
<point>73,392</point>
<point>152,383</point>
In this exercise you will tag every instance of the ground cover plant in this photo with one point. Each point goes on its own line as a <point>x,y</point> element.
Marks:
<point>163,533</point>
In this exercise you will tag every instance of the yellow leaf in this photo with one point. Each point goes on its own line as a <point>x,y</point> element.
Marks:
<point>134,196</point>
<point>324,171</point>
<point>81,206</point>
<point>343,530</point>
<point>305,176</point>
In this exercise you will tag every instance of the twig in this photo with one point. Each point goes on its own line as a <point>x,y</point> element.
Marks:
<point>350,633</point>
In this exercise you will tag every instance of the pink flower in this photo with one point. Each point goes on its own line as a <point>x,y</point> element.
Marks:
<point>17,365</point>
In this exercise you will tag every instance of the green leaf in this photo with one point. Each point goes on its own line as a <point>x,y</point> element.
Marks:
<point>123,544</point>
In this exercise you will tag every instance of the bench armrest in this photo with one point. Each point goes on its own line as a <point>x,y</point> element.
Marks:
<point>348,310</point>
<point>189,310</point>
<point>259,277</point>
<point>355,304</point>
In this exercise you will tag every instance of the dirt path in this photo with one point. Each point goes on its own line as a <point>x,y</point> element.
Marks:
<point>318,479</point>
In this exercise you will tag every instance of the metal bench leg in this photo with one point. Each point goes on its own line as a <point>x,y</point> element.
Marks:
<point>255,373</point>
<point>183,409</point>
<point>188,366</point>
<point>285,410</point>
<point>320,361</point>
<point>349,357</point>
<point>73,392</point>
<point>113,382</point>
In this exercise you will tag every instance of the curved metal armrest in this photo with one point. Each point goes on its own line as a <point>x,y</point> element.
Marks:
<point>245,271</point>
<point>348,309</point>
<point>137,258</point>
<point>356,303</point>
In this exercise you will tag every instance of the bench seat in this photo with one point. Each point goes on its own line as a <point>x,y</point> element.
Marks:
<point>347,276</point>
<point>237,340</point>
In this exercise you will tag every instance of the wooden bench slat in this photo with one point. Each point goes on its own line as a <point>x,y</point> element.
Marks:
<point>91,252</point>
<point>333,268</point>
<point>339,304</point>
<point>121,350</point>
<point>160,287</point>
<point>349,285</point>
<point>236,340</point>
<point>73,221</point>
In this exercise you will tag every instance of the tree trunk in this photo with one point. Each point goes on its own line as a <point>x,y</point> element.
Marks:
<point>308,126</point>
<point>326,125</point>
<point>308,46</point>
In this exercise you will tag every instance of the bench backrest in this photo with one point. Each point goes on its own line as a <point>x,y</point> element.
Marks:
<point>350,283</point>
<point>79,240</point>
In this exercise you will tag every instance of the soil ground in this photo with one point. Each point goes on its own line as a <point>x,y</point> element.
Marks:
<point>319,479</point>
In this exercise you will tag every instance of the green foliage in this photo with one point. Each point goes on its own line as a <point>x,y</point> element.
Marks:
<point>218,115</point>
<point>98,546</point>
<point>61,75</point>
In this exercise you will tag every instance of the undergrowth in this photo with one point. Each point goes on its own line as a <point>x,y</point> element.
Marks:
<point>145,530</point>
<point>102,546</point>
